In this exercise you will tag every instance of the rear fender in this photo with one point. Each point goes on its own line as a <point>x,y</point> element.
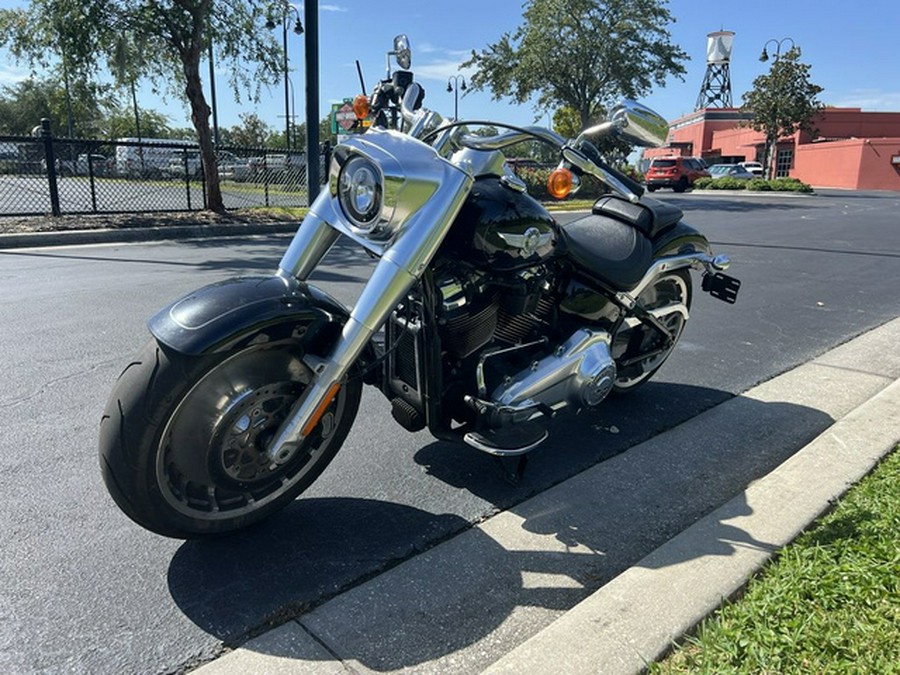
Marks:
<point>238,312</point>
<point>679,240</point>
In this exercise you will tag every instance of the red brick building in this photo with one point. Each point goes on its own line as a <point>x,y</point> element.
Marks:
<point>852,149</point>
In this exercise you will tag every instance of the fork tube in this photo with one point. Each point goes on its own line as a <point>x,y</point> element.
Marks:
<point>313,240</point>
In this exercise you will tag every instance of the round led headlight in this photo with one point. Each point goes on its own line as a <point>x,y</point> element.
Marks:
<point>360,192</point>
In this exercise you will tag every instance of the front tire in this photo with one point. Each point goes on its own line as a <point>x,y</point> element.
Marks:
<point>639,345</point>
<point>181,439</point>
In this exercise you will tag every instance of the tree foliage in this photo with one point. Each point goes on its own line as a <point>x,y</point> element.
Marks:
<point>24,104</point>
<point>161,40</point>
<point>584,54</point>
<point>783,101</point>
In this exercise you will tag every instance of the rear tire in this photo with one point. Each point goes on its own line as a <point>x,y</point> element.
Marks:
<point>181,439</point>
<point>668,290</point>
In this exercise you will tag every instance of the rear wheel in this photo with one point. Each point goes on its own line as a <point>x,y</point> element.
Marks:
<point>682,184</point>
<point>182,439</point>
<point>639,350</point>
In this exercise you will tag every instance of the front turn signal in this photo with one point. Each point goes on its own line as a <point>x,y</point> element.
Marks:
<point>560,183</point>
<point>361,106</point>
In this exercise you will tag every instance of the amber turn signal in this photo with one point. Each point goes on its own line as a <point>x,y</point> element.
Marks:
<point>361,106</point>
<point>560,183</point>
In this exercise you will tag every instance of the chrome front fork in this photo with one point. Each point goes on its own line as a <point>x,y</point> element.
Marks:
<point>396,272</point>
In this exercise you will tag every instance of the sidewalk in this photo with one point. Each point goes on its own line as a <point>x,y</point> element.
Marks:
<point>542,588</point>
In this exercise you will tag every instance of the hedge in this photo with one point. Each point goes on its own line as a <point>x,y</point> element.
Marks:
<point>754,184</point>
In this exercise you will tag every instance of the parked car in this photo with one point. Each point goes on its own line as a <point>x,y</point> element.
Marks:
<point>93,163</point>
<point>729,171</point>
<point>183,161</point>
<point>232,167</point>
<point>678,173</point>
<point>753,167</point>
<point>275,164</point>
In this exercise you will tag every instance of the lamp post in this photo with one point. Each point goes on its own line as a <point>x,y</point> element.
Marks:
<point>287,9</point>
<point>212,94</point>
<point>771,152</point>
<point>454,84</point>
<point>765,55</point>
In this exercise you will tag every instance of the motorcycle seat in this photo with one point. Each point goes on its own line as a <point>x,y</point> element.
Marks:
<point>610,250</point>
<point>649,216</point>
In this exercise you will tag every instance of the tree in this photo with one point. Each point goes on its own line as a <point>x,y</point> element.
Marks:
<point>584,54</point>
<point>783,101</point>
<point>120,124</point>
<point>252,132</point>
<point>567,123</point>
<point>162,40</point>
<point>24,104</point>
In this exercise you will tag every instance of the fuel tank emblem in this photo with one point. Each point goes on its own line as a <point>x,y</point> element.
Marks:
<point>529,241</point>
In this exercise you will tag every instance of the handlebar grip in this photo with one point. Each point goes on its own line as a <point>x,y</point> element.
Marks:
<point>590,151</point>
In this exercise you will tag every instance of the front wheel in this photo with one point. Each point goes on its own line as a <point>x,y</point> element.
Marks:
<point>639,350</point>
<point>182,439</point>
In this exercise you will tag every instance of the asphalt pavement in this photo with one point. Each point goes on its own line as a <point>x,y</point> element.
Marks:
<point>507,595</point>
<point>428,614</point>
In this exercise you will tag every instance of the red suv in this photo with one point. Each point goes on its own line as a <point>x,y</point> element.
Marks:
<point>678,173</point>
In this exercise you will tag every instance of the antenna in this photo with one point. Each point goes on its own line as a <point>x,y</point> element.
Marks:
<point>362,82</point>
<point>715,92</point>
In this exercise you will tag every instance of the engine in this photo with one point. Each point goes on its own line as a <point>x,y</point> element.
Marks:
<point>474,309</point>
<point>510,323</point>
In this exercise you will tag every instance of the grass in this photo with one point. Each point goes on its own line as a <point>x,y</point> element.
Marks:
<point>830,603</point>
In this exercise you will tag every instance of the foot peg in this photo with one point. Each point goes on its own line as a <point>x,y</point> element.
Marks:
<point>508,441</point>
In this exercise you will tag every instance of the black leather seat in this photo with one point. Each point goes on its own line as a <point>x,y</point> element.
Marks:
<point>613,251</point>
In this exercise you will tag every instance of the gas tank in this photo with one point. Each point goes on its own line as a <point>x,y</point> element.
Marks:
<point>502,229</point>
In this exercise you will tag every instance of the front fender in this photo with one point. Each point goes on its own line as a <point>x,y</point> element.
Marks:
<point>248,310</point>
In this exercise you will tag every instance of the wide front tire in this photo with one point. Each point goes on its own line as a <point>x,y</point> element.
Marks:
<point>182,437</point>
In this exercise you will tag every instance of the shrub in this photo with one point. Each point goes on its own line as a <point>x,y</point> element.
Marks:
<point>759,185</point>
<point>789,185</point>
<point>726,183</point>
<point>754,184</point>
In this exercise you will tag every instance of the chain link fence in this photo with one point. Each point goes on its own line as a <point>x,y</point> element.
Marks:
<point>56,176</point>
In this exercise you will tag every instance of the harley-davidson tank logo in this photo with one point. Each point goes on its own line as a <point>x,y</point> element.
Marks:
<point>529,241</point>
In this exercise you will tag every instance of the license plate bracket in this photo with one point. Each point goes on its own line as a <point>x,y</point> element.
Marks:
<point>722,286</point>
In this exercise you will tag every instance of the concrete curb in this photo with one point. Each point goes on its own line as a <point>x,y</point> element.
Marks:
<point>497,597</point>
<point>140,234</point>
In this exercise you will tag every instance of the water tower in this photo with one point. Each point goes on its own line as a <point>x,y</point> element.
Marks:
<point>716,89</point>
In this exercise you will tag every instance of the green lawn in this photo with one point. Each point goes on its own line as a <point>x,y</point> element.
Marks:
<point>830,603</point>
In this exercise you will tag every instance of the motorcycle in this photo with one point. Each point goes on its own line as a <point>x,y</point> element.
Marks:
<point>482,319</point>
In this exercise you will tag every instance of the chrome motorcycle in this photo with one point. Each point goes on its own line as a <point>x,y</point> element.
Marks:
<point>482,319</point>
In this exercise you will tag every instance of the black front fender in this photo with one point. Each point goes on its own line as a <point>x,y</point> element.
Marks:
<point>248,310</point>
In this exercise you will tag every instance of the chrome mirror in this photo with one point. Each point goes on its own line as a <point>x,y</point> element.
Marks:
<point>639,124</point>
<point>402,51</point>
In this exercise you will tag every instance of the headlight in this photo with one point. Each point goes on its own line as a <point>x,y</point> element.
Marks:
<point>361,192</point>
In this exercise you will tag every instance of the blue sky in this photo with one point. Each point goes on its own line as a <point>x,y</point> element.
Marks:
<point>852,48</point>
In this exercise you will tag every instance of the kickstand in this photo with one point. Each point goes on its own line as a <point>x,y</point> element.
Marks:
<point>513,468</point>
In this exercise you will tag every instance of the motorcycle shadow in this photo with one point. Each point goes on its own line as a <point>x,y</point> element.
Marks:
<point>449,598</point>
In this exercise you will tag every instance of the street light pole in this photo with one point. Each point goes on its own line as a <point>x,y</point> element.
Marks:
<point>771,152</point>
<point>454,84</point>
<point>212,93</point>
<point>311,45</point>
<point>286,10</point>
<point>778,43</point>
